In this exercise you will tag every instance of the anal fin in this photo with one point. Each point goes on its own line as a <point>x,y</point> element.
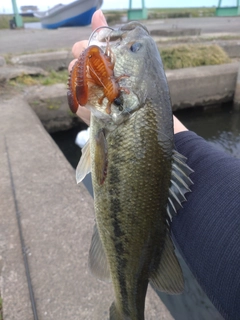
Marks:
<point>168,276</point>
<point>97,260</point>
<point>115,314</point>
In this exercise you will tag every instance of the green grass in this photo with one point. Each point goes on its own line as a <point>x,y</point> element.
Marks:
<point>222,37</point>
<point>174,57</point>
<point>4,20</point>
<point>164,13</point>
<point>186,56</point>
<point>30,19</point>
<point>8,58</point>
<point>53,77</point>
<point>114,16</point>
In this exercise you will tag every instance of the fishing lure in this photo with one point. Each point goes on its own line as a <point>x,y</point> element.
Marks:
<point>77,84</point>
<point>94,66</point>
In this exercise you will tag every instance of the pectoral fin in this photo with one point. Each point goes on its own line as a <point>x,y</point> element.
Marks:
<point>168,276</point>
<point>101,157</point>
<point>97,260</point>
<point>84,165</point>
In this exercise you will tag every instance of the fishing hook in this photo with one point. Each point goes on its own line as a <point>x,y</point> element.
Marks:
<point>94,31</point>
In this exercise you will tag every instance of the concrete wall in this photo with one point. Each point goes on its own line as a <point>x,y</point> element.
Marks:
<point>202,86</point>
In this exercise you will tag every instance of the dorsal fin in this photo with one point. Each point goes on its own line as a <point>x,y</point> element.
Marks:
<point>180,183</point>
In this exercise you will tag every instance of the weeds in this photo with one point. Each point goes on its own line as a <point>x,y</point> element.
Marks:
<point>167,13</point>
<point>53,77</point>
<point>4,20</point>
<point>175,57</point>
<point>114,16</point>
<point>185,56</point>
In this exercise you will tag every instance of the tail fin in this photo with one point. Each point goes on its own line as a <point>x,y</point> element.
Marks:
<point>116,315</point>
<point>113,312</point>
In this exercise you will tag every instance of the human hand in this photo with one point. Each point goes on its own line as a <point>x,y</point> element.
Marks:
<point>178,126</point>
<point>99,20</point>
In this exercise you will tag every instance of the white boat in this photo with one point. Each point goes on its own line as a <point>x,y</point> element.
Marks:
<point>77,13</point>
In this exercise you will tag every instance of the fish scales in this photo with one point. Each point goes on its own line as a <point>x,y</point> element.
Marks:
<point>132,153</point>
<point>128,206</point>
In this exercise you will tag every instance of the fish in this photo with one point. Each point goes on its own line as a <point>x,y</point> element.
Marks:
<point>139,179</point>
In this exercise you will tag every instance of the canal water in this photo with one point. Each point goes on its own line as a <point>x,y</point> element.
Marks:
<point>218,125</point>
<point>221,127</point>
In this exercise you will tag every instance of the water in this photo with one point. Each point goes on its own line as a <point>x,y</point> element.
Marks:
<point>66,142</point>
<point>220,126</point>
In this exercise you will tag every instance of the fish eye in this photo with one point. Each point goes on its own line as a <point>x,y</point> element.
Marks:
<point>135,46</point>
<point>118,103</point>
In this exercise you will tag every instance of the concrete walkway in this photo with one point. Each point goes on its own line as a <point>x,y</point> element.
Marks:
<point>46,226</point>
<point>34,40</point>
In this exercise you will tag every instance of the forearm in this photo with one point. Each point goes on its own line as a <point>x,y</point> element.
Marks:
<point>207,229</point>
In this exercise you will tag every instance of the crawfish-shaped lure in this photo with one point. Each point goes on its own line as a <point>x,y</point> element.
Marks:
<point>94,66</point>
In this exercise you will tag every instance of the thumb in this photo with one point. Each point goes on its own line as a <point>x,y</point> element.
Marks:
<point>98,19</point>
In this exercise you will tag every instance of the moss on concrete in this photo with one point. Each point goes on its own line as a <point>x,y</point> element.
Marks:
<point>53,77</point>
<point>185,56</point>
<point>50,104</point>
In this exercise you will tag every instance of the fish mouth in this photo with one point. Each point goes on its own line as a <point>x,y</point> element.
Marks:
<point>99,29</point>
<point>106,33</point>
<point>133,25</point>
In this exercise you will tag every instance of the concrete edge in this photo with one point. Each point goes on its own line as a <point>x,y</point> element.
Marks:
<point>60,59</point>
<point>189,87</point>
<point>202,86</point>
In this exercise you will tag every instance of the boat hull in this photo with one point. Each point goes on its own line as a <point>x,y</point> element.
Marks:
<point>77,13</point>
<point>82,19</point>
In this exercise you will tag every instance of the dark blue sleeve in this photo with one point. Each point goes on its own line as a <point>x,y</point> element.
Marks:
<point>207,229</point>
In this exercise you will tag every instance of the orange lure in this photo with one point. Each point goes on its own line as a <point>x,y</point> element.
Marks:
<point>95,66</point>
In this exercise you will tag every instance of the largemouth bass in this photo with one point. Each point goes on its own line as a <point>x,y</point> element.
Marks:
<point>139,180</point>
